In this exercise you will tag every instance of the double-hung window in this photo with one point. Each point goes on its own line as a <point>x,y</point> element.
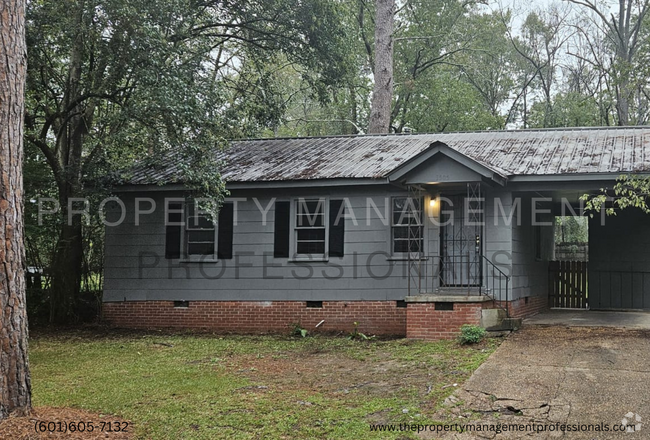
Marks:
<point>406,227</point>
<point>191,234</point>
<point>200,233</point>
<point>310,227</point>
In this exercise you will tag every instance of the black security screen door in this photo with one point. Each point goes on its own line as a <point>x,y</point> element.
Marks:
<point>461,239</point>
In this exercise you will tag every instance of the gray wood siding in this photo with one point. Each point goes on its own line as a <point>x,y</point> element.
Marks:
<point>497,242</point>
<point>135,267</point>
<point>529,273</point>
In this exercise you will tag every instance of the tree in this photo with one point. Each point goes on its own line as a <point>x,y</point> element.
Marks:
<point>630,191</point>
<point>544,33</point>
<point>622,30</point>
<point>430,36</point>
<point>445,102</point>
<point>571,109</point>
<point>489,65</point>
<point>382,95</point>
<point>15,384</point>
<point>114,81</point>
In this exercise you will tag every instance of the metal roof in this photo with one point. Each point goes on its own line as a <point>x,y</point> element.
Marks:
<point>508,153</point>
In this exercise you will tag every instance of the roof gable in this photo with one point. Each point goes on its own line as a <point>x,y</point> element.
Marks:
<point>440,163</point>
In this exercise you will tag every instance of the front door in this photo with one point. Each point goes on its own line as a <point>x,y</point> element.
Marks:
<point>460,241</point>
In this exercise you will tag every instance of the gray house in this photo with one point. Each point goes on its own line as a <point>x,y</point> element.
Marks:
<point>401,234</point>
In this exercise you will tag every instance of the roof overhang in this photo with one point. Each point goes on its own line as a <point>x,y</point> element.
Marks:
<point>442,152</point>
<point>581,182</point>
<point>571,177</point>
<point>271,184</point>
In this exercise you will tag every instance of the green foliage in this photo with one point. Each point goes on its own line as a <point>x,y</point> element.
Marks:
<point>490,66</point>
<point>570,109</point>
<point>112,83</point>
<point>630,191</point>
<point>447,103</point>
<point>471,334</point>
<point>356,334</point>
<point>571,229</point>
<point>297,330</point>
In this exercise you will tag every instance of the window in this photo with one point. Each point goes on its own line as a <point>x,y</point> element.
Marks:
<point>191,234</point>
<point>313,231</point>
<point>310,229</point>
<point>173,229</point>
<point>199,232</point>
<point>407,228</point>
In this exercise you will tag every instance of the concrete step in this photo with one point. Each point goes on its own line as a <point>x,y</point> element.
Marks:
<point>509,324</point>
<point>457,291</point>
<point>496,320</point>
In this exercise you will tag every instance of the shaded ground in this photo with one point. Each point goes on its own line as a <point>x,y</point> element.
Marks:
<point>559,376</point>
<point>184,386</point>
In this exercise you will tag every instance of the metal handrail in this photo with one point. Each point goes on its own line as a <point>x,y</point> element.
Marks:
<point>501,275</point>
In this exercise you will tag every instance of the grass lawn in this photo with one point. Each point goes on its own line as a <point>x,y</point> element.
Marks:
<point>183,386</point>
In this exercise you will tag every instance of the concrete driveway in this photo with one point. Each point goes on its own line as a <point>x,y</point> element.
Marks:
<point>558,375</point>
<point>587,318</point>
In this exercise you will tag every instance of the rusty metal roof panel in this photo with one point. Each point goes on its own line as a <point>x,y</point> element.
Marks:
<point>509,153</point>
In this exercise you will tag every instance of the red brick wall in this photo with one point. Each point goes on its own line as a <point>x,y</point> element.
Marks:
<point>374,317</point>
<point>423,321</point>
<point>418,320</point>
<point>520,309</point>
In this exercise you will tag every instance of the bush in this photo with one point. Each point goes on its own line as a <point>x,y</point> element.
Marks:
<point>471,334</point>
<point>297,330</point>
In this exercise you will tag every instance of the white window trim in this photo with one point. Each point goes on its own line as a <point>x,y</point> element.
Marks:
<point>402,256</point>
<point>185,256</point>
<point>293,242</point>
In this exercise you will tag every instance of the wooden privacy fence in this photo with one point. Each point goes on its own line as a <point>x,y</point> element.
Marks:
<point>567,284</point>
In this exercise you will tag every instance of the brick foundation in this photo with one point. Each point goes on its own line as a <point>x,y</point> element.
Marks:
<point>374,317</point>
<point>520,308</point>
<point>423,321</point>
<point>420,320</point>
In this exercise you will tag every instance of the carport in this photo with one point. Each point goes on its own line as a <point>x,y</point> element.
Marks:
<point>619,261</point>
<point>615,271</point>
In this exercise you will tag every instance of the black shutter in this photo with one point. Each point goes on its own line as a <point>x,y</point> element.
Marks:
<point>173,231</point>
<point>282,230</point>
<point>225,225</point>
<point>337,230</point>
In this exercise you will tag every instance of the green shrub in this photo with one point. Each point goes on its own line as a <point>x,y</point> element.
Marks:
<point>471,334</point>
<point>297,330</point>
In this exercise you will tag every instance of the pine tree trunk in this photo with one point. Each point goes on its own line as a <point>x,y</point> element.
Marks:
<point>15,384</point>
<point>382,95</point>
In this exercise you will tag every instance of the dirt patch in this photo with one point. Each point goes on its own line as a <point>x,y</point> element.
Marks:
<point>377,374</point>
<point>58,423</point>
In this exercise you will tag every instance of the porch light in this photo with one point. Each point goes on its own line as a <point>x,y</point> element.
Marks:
<point>432,203</point>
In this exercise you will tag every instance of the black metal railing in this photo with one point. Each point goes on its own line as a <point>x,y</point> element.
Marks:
<point>464,274</point>
<point>460,274</point>
<point>495,277</point>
